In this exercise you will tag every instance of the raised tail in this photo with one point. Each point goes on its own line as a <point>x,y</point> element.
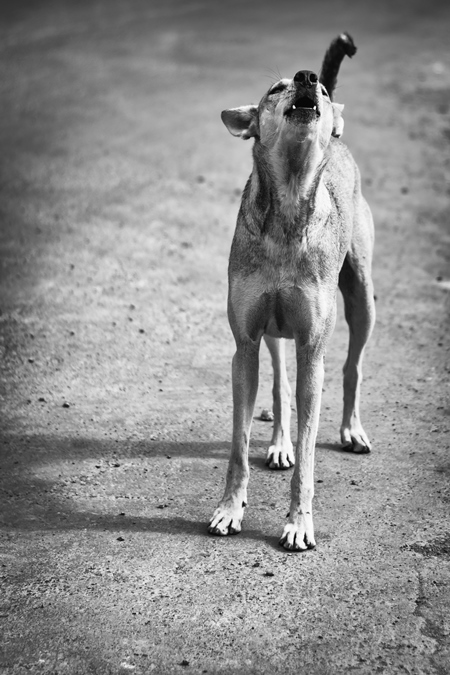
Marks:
<point>341,46</point>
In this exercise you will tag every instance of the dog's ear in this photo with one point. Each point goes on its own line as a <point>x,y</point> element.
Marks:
<point>338,120</point>
<point>242,121</point>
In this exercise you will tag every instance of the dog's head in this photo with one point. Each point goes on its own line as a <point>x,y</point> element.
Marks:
<point>299,108</point>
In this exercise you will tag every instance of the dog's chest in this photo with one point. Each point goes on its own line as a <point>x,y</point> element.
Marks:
<point>283,262</point>
<point>277,278</point>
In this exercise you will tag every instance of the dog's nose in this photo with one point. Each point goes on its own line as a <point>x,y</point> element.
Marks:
<point>306,78</point>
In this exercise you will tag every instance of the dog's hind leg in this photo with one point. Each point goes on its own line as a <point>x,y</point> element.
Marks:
<point>228,515</point>
<point>357,289</point>
<point>280,454</point>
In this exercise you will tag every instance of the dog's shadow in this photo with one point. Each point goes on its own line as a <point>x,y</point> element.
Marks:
<point>37,503</point>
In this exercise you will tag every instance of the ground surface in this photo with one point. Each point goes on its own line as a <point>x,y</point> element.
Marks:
<point>119,193</point>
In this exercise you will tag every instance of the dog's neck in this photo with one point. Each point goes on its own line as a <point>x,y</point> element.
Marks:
<point>289,174</point>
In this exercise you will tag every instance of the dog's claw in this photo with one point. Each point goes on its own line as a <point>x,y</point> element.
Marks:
<point>226,520</point>
<point>299,537</point>
<point>280,457</point>
<point>279,467</point>
<point>356,448</point>
<point>225,531</point>
<point>289,546</point>
<point>355,440</point>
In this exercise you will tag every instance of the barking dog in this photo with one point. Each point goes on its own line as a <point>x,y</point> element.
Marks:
<point>303,229</point>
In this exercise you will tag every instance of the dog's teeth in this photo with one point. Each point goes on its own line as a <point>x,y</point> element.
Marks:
<point>294,107</point>
<point>315,107</point>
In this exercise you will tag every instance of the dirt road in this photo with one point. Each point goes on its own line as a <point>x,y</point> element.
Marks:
<point>119,193</point>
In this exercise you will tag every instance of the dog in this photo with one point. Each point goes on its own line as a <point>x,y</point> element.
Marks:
<point>303,230</point>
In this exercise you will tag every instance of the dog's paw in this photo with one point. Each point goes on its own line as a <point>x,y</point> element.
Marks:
<point>354,439</point>
<point>226,520</point>
<point>299,536</point>
<point>280,456</point>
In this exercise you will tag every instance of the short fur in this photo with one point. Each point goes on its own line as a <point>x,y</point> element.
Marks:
<point>341,46</point>
<point>303,229</point>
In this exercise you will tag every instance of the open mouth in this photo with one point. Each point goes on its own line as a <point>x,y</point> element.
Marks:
<point>303,108</point>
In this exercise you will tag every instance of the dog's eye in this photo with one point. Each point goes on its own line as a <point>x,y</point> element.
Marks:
<point>277,89</point>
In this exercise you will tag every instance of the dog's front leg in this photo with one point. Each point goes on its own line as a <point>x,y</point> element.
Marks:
<point>280,454</point>
<point>298,534</point>
<point>228,516</point>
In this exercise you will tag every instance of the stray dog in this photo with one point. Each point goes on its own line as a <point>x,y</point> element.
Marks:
<point>303,229</point>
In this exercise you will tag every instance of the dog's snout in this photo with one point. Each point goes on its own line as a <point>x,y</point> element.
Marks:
<point>306,78</point>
